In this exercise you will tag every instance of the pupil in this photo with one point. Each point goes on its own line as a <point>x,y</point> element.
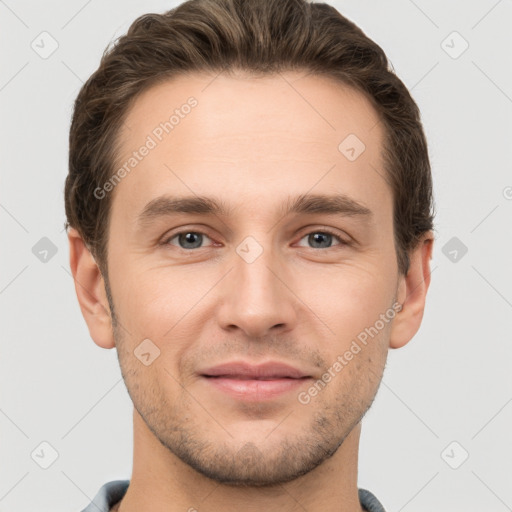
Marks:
<point>189,238</point>
<point>317,237</point>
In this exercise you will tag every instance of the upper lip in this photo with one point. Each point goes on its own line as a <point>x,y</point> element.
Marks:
<point>267,370</point>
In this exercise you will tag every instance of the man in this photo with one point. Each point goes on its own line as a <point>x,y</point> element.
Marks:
<point>273,138</point>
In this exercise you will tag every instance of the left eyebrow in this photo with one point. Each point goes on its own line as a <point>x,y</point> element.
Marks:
<point>310,204</point>
<point>338,204</point>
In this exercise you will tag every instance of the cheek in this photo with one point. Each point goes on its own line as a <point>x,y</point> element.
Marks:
<point>153,300</point>
<point>355,345</point>
<point>162,305</point>
<point>349,298</point>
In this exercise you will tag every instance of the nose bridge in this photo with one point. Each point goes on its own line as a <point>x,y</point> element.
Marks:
<point>258,298</point>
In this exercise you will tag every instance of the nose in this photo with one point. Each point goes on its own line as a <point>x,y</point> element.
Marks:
<point>257,296</point>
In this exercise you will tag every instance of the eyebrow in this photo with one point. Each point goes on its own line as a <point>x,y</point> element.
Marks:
<point>339,204</point>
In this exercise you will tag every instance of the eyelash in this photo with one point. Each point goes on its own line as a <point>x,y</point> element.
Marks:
<point>323,231</point>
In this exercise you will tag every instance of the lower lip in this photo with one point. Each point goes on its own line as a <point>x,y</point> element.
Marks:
<point>255,390</point>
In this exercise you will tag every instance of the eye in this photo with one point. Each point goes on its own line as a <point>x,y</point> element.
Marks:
<point>320,239</point>
<point>323,239</point>
<point>187,239</point>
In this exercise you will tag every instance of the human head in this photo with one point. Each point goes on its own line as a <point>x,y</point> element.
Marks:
<point>292,305</point>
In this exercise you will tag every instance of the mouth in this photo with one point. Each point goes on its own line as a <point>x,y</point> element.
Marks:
<point>249,382</point>
<point>254,389</point>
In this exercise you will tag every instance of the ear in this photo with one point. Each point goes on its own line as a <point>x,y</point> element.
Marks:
<point>412,292</point>
<point>90,291</point>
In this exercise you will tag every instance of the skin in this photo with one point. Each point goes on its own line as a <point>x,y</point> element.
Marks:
<point>251,142</point>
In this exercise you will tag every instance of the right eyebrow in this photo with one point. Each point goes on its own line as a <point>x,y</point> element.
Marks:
<point>165,205</point>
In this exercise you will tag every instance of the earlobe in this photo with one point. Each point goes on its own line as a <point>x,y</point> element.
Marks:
<point>412,292</point>
<point>90,291</point>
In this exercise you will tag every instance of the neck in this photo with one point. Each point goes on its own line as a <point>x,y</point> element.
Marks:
<point>162,482</point>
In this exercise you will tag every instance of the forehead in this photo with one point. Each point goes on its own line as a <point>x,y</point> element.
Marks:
<point>245,137</point>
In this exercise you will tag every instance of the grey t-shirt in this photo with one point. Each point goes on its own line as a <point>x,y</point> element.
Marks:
<point>112,492</point>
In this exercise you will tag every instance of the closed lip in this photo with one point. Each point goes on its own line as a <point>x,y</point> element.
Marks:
<point>265,371</point>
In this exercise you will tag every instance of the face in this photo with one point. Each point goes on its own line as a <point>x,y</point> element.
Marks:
<point>296,261</point>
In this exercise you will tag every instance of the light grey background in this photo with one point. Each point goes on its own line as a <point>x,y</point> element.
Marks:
<point>451,383</point>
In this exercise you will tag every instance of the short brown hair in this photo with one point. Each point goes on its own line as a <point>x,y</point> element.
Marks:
<point>262,37</point>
